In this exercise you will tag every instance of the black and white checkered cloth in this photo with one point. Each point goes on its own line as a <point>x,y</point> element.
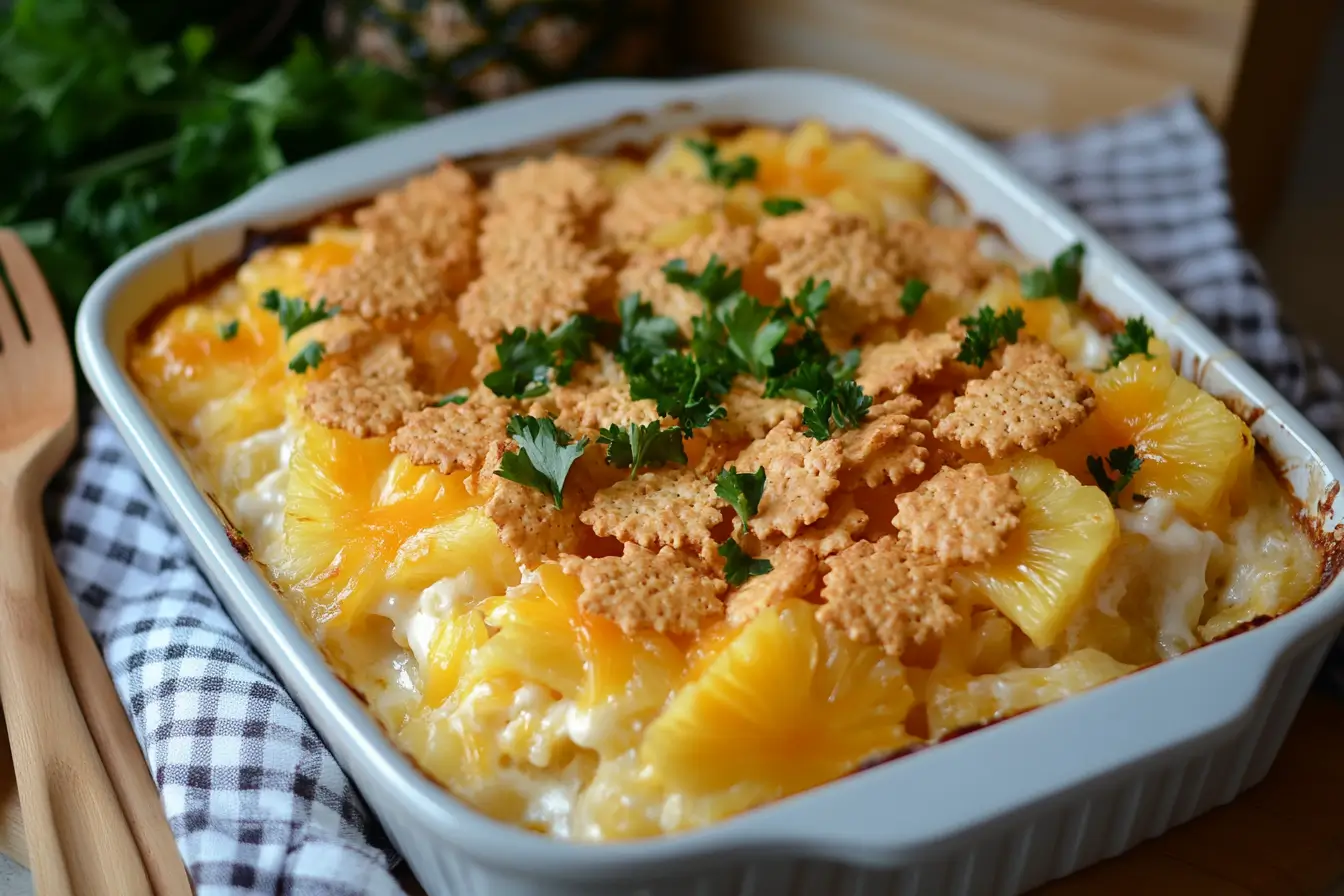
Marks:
<point>258,804</point>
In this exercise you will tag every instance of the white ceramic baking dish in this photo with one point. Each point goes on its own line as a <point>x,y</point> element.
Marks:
<point>998,811</point>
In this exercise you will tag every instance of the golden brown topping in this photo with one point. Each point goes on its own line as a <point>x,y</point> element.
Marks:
<point>1027,351</point>
<point>938,409</point>
<point>800,473</point>
<point>793,574</point>
<point>437,213</point>
<point>643,272</point>
<point>529,297</point>
<point>338,334</point>
<point>648,202</point>
<point>668,591</point>
<point>455,436</point>
<point>547,239</point>
<point>750,415</point>
<point>562,180</point>
<point>362,406</point>
<point>946,258</point>
<point>672,507</point>
<point>1027,408</point>
<point>839,529</point>
<point>961,516</point>
<point>580,410</point>
<point>822,244</point>
<point>529,522</point>
<point>890,368</point>
<point>877,593</point>
<point>885,448</point>
<point>396,283</point>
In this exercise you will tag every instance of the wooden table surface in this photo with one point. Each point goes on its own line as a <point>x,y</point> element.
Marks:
<point>1284,837</point>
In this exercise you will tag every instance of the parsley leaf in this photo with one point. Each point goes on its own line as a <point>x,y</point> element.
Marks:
<point>454,398</point>
<point>228,331</point>
<point>727,173</point>
<point>642,446</point>
<point>740,566</point>
<point>1124,462</point>
<point>1064,278</point>
<point>779,206</point>
<point>741,490</point>
<point>545,456</point>
<point>294,313</point>
<point>752,332</point>
<point>528,357</point>
<point>714,284</point>
<point>572,342</point>
<point>849,404</point>
<point>984,330</point>
<point>913,295</point>
<point>826,398</point>
<point>308,357</point>
<point>678,385</point>
<point>807,306</point>
<point>644,336</point>
<point>1132,340</point>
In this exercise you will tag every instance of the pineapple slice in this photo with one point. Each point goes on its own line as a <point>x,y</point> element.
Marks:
<point>1195,451</point>
<point>1051,562</point>
<point>961,701</point>
<point>450,654</point>
<point>674,233</point>
<point>290,268</point>
<point>786,706</point>
<point>351,506</point>
<point>617,681</point>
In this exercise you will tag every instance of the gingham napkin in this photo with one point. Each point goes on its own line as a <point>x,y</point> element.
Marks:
<point>258,804</point>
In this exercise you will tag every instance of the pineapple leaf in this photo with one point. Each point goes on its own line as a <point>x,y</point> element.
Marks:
<point>545,456</point>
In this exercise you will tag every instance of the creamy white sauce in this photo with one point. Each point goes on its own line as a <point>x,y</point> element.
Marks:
<point>263,460</point>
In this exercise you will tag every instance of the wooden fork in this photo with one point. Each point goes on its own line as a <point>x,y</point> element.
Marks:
<point>78,839</point>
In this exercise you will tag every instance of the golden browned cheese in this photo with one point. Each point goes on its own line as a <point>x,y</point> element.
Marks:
<point>439,483</point>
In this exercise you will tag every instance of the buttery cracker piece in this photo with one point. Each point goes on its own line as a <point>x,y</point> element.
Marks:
<point>588,410</point>
<point>750,415</point>
<point>559,180</point>
<point>884,448</point>
<point>668,592</point>
<point>1017,409</point>
<point>643,272</point>
<point>672,507</point>
<point>800,473</point>
<point>544,237</point>
<point>399,283</point>
<point>650,201</point>
<point>820,243</point>
<point>840,528</point>
<point>947,258</point>
<point>362,406</point>
<point>436,212</point>
<point>961,515</point>
<point>878,593</point>
<point>532,298</point>
<point>455,436</point>
<point>530,523</point>
<point>1027,351</point>
<point>793,573</point>
<point>891,368</point>
<point>939,408</point>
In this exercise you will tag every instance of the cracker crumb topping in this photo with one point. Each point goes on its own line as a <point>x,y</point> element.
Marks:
<point>529,521</point>
<point>535,298</point>
<point>879,593</point>
<point>961,515</point>
<point>455,436</point>
<point>667,591</point>
<point>887,447</point>
<point>397,283</point>
<point>438,213</point>
<point>643,272</point>
<point>361,405</point>
<point>672,507</point>
<point>946,258</point>
<point>649,201</point>
<point>793,574</point>
<point>1027,351</point>
<point>800,473</point>
<point>750,415</point>
<point>891,368</point>
<point>1026,408</point>
<point>842,526</point>
<point>563,180</point>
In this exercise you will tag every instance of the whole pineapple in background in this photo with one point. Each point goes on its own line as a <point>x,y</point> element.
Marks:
<point>468,51</point>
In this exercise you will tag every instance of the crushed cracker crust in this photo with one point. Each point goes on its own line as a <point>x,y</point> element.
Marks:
<point>362,406</point>
<point>667,591</point>
<point>455,436</point>
<point>529,522</point>
<point>750,415</point>
<point>438,213</point>
<point>1027,351</point>
<point>842,526</point>
<point>794,573</point>
<point>397,283</point>
<point>582,411</point>
<point>886,447</point>
<point>947,258</point>
<point>878,593</point>
<point>563,180</point>
<point>800,473</point>
<point>960,515</point>
<point>891,368</point>
<point>648,202</point>
<point>532,298</point>
<point>1025,409</point>
<point>672,507</point>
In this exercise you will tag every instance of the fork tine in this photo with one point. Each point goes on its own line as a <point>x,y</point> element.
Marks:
<point>34,297</point>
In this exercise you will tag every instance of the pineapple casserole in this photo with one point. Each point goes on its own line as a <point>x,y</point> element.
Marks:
<point>633,494</point>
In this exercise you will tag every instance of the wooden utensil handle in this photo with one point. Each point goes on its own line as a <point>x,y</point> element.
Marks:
<point>111,730</point>
<point>77,836</point>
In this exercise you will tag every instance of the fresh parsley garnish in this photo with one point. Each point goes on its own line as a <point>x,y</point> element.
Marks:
<point>680,387</point>
<point>454,398</point>
<point>644,336</point>
<point>984,330</point>
<point>753,332</point>
<point>829,402</point>
<point>779,206</point>
<point>807,305</point>
<point>1124,462</point>
<point>545,456</point>
<point>308,357</point>
<point>913,295</point>
<point>1132,340</point>
<point>228,331</point>
<point>295,314</point>
<point>529,360</point>
<point>724,172</point>
<point>714,284</point>
<point>1064,277</point>
<point>639,446</point>
<point>740,565</point>
<point>742,491</point>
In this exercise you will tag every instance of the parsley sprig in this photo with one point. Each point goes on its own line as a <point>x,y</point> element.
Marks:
<point>545,456</point>
<point>1064,277</point>
<point>229,331</point>
<point>643,335</point>
<point>779,206</point>
<point>684,387</point>
<point>294,313</point>
<point>1124,462</point>
<point>308,357</point>
<point>829,402</point>
<point>742,491</point>
<point>530,360</point>
<point>714,284</point>
<point>720,171</point>
<point>642,446</point>
<point>807,305</point>
<point>1132,340</point>
<point>984,331</point>
<point>741,566</point>
<point>753,331</point>
<point>912,295</point>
